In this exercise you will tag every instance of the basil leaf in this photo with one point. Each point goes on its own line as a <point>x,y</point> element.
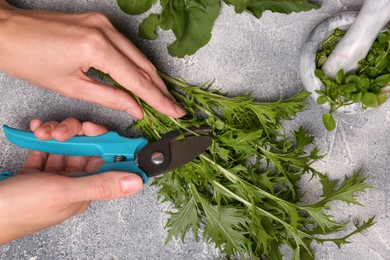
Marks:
<point>347,88</point>
<point>382,80</point>
<point>239,5</point>
<point>135,6</point>
<point>357,97</point>
<point>383,38</point>
<point>370,100</point>
<point>147,29</point>
<point>340,76</point>
<point>191,21</point>
<point>329,121</point>
<point>382,97</point>
<point>257,7</point>
<point>364,83</point>
<point>319,74</point>
<point>322,100</point>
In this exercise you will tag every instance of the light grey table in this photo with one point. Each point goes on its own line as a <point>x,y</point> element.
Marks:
<point>244,55</point>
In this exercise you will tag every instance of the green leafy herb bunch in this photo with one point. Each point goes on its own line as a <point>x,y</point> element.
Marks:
<point>366,85</point>
<point>243,193</point>
<point>192,20</point>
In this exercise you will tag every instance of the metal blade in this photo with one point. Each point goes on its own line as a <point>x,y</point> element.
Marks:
<point>170,153</point>
<point>187,149</point>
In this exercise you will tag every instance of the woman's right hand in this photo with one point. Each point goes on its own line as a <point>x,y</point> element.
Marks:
<point>55,50</point>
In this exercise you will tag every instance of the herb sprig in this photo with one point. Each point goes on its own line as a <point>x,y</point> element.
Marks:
<point>243,193</point>
<point>366,85</point>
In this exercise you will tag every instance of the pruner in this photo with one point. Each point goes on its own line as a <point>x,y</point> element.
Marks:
<point>120,153</point>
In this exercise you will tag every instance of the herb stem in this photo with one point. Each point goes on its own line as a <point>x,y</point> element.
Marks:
<point>293,232</point>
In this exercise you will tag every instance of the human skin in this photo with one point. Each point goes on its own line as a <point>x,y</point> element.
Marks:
<point>54,50</point>
<point>42,195</point>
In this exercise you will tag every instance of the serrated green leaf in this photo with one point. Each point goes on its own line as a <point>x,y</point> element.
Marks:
<point>191,21</point>
<point>345,190</point>
<point>183,220</point>
<point>244,192</point>
<point>135,7</point>
<point>147,29</point>
<point>226,222</point>
<point>323,220</point>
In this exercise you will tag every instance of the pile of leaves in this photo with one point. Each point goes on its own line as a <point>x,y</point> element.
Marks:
<point>192,21</point>
<point>243,193</point>
<point>365,86</point>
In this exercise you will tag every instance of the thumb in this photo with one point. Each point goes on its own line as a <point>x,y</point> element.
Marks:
<point>104,186</point>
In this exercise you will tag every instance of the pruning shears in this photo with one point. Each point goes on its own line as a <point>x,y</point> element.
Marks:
<point>121,153</point>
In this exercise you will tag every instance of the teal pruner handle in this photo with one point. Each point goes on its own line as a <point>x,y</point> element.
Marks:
<point>110,146</point>
<point>5,175</point>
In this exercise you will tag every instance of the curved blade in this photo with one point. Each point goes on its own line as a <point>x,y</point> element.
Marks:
<point>175,153</point>
<point>187,149</point>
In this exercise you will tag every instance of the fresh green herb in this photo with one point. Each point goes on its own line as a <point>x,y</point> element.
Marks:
<point>366,85</point>
<point>192,21</point>
<point>243,193</point>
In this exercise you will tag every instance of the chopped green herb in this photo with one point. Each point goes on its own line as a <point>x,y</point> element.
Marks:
<point>365,85</point>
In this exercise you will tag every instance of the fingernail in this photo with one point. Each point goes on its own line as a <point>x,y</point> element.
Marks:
<point>136,113</point>
<point>61,129</point>
<point>180,110</point>
<point>131,184</point>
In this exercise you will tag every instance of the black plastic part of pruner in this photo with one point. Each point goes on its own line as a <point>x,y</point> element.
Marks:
<point>163,146</point>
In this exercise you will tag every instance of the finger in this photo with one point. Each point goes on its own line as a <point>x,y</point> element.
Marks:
<point>131,77</point>
<point>93,164</point>
<point>138,58</point>
<point>101,94</point>
<point>75,164</point>
<point>44,131</point>
<point>35,162</point>
<point>55,163</point>
<point>103,24</point>
<point>91,129</point>
<point>35,123</point>
<point>66,129</point>
<point>103,186</point>
<point>139,82</point>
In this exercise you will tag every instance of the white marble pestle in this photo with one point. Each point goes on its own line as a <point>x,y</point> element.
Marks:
<point>363,28</point>
<point>356,43</point>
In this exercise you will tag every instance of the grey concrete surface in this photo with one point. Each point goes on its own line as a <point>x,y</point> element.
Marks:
<point>244,55</point>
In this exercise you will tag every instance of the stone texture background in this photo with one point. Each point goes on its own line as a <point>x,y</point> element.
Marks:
<point>244,55</point>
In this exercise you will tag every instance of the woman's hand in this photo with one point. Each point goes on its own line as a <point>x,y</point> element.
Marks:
<point>41,195</point>
<point>55,50</point>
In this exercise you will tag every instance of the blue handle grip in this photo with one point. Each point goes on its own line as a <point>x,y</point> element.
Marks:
<point>5,175</point>
<point>106,146</point>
